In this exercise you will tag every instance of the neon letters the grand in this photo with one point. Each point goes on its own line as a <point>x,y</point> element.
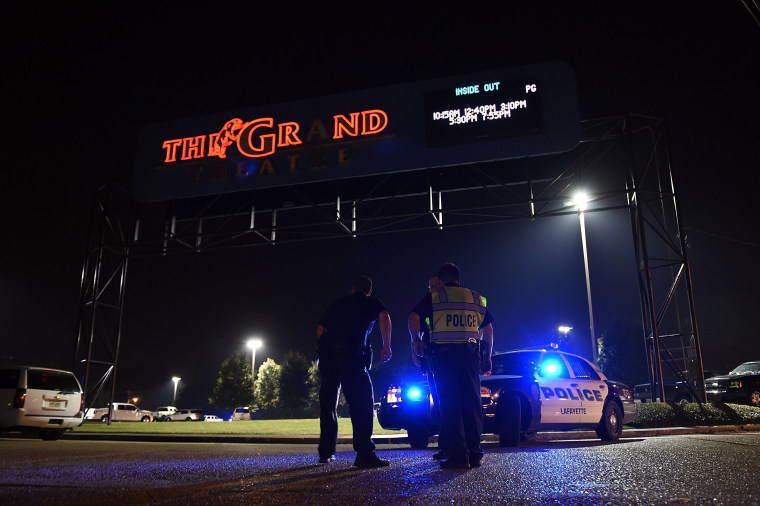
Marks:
<point>260,137</point>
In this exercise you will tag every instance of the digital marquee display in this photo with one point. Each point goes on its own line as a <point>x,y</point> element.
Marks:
<point>495,115</point>
<point>481,111</point>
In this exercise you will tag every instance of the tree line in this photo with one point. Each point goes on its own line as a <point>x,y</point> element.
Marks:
<point>286,390</point>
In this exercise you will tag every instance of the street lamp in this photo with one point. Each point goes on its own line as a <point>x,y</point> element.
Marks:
<point>580,201</point>
<point>175,379</point>
<point>253,344</point>
<point>563,330</point>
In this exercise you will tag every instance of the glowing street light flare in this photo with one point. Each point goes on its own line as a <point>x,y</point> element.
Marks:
<point>254,344</point>
<point>580,201</point>
<point>175,379</point>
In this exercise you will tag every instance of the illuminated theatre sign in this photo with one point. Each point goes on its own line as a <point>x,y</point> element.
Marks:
<point>495,115</point>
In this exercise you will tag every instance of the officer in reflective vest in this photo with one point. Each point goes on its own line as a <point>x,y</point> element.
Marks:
<point>458,316</point>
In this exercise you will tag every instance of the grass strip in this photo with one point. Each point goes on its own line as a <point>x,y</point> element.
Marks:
<point>296,427</point>
<point>650,415</point>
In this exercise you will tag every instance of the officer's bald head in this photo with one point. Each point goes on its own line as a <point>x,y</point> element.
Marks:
<point>449,273</point>
<point>362,284</point>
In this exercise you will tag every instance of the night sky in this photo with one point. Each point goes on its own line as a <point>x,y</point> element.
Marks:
<point>80,81</point>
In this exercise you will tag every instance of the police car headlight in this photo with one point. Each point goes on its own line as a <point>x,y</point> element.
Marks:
<point>414,393</point>
<point>735,384</point>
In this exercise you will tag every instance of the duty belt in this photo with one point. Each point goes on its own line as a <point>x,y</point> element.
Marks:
<point>471,340</point>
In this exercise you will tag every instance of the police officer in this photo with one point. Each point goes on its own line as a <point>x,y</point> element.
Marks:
<point>341,334</point>
<point>458,317</point>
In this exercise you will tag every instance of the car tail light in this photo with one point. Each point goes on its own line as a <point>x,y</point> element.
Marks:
<point>20,398</point>
<point>394,395</point>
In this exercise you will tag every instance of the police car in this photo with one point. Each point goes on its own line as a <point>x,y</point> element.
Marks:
<point>527,391</point>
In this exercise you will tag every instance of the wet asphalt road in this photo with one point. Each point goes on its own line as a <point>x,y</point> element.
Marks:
<point>682,469</point>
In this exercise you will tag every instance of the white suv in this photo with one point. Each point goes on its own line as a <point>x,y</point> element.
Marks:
<point>121,412</point>
<point>36,399</point>
<point>243,413</point>
<point>186,415</point>
<point>160,414</point>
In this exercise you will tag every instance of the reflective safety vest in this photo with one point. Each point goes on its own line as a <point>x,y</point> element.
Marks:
<point>458,313</point>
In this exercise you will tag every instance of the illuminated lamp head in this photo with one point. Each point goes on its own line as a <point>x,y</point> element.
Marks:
<point>550,369</point>
<point>580,201</point>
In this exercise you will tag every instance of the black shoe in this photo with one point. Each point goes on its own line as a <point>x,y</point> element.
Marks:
<point>454,464</point>
<point>439,455</point>
<point>370,460</point>
<point>327,460</point>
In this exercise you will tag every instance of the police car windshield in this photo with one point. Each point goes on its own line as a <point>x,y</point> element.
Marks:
<point>517,363</point>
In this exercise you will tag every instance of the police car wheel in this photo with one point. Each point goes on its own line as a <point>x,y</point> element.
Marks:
<point>418,440</point>
<point>611,426</point>
<point>509,421</point>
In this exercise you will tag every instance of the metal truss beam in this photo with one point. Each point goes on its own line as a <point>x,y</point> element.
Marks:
<point>621,163</point>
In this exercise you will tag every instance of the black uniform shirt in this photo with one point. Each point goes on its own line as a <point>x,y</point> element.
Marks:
<point>349,318</point>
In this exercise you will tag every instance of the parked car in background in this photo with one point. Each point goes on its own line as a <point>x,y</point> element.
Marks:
<point>185,415</point>
<point>676,391</point>
<point>212,418</point>
<point>160,414</point>
<point>120,412</point>
<point>741,385</point>
<point>242,413</point>
<point>527,391</point>
<point>41,400</point>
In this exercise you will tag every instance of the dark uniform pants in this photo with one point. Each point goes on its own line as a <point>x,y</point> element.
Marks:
<point>457,377</point>
<point>345,370</point>
<point>427,366</point>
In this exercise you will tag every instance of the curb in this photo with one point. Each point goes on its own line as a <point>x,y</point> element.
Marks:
<point>393,438</point>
